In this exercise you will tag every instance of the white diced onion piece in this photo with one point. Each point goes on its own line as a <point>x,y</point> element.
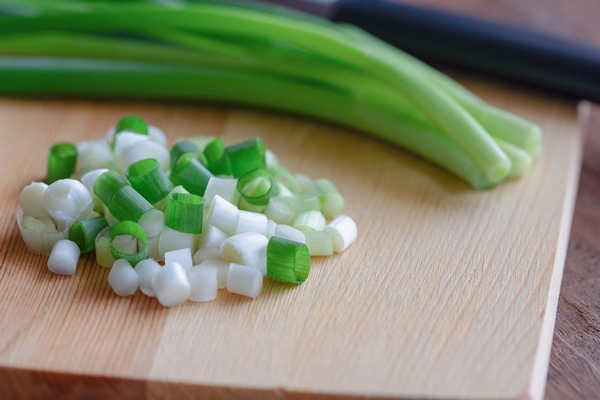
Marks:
<point>152,222</point>
<point>271,226</point>
<point>248,249</point>
<point>343,232</point>
<point>211,236</point>
<point>171,239</point>
<point>309,221</point>
<point>41,242</point>
<point>222,267</point>
<point>206,253</point>
<point>147,270</point>
<point>244,280</point>
<point>68,200</point>
<point>181,256</point>
<point>290,233</point>
<point>224,187</point>
<point>123,279</point>
<point>31,200</point>
<point>104,256</point>
<point>172,285</point>
<point>203,282</point>
<point>157,135</point>
<point>319,243</point>
<point>141,150</point>
<point>251,222</point>
<point>64,257</point>
<point>223,215</point>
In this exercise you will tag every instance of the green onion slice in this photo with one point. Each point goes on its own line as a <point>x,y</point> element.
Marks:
<point>185,147</point>
<point>107,185</point>
<point>132,123</point>
<point>246,156</point>
<point>149,180</point>
<point>84,233</point>
<point>257,187</point>
<point>129,228</point>
<point>215,150</point>
<point>287,260</point>
<point>191,174</point>
<point>185,212</point>
<point>62,161</point>
<point>128,205</point>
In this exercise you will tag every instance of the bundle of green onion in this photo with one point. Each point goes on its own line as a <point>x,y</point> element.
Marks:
<point>237,53</point>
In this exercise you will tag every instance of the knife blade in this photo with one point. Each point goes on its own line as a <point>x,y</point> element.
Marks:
<point>503,50</point>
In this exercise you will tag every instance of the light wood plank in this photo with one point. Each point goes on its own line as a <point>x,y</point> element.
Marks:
<point>447,292</point>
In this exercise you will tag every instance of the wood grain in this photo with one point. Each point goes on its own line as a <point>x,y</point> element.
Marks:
<point>447,292</point>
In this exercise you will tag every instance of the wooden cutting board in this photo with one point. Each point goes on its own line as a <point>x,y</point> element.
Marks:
<point>447,292</point>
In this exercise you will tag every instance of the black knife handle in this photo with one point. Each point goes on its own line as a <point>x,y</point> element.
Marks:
<point>567,66</point>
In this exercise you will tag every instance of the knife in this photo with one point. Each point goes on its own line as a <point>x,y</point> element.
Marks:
<point>528,56</point>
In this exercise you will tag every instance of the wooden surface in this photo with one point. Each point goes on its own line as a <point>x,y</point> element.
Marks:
<point>447,292</point>
<point>574,371</point>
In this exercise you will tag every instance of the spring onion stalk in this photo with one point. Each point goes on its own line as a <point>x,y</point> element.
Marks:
<point>251,222</point>
<point>191,174</point>
<point>182,256</point>
<point>31,200</point>
<point>206,253</point>
<point>64,257</point>
<point>319,243</point>
<point>246,156</point>
<point>244,280</point>
<point>309,221</point>
<point>147,270</point>
<point>62,161</point>
<point>133,229</point>
<point>107,184</point>
<point>186,147</point>
<point>216,159</point>
<point>287,260</point>
<point>521,160</point>
<point>68,200</point>
<point>128,205</point>
<point>123,279</point>
<point>149,179</point>
<point>203,283</point>
<point>172,285</point>
<point>185,213</point>
<point>257,187</point>
<point>343,232</point>
<point>248,249</point>
<point>84,233</point>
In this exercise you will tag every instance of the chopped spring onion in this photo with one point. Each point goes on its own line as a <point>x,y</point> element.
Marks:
<point>131,123</point>
<point>246,156</point>
<point>319,243</point>
<point>147,270</point>
<point>203,282</point>
<point>287,260</point>
<point>64,257</point>
<point>31,200</point>
<point>149,179</point>
<point>343,232</point>
<point>224,187</point>
<point>222,267</point>
<point>133,229</point>
<point>68,200</point>
<point>107,184</point>
<point>152,222</point>
<point>211,236</point>
<point>223,215</point>
<point>186,147</point>
<point>257,187</point>
<point>206,253</point>
<point>185,213</point>
<point>289,233</point>
<point>170,239</point>
<point>104,255</point>
<point>244,280</point>
<point>41,242</point>
<point>123,279</point>
<point>84,233</point>
<point>251,222</point>
<point>181,256</point>
<point>62,161</point>
<point>247,249</point>
<point>191,174</point>
<point>217,161</point>
<point>172,285</point>
<point>309,221</point>
<point>128,205</point>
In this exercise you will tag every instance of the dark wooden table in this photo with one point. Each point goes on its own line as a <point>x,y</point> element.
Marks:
<point>574,371</point>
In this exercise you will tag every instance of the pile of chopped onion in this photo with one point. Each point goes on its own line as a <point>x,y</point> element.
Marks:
<point>183,222</point>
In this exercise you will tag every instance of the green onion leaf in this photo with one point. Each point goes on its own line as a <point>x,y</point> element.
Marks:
<point>149,180</point>
<point>128,205</point>
<point>84,233</point>
<point>185,212</point>
<point>132,123</point>
<point>107,185</point>
<point>62,162</point>
<point>287,260</point>
<point>186,147</point>
<point>129,228</point>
